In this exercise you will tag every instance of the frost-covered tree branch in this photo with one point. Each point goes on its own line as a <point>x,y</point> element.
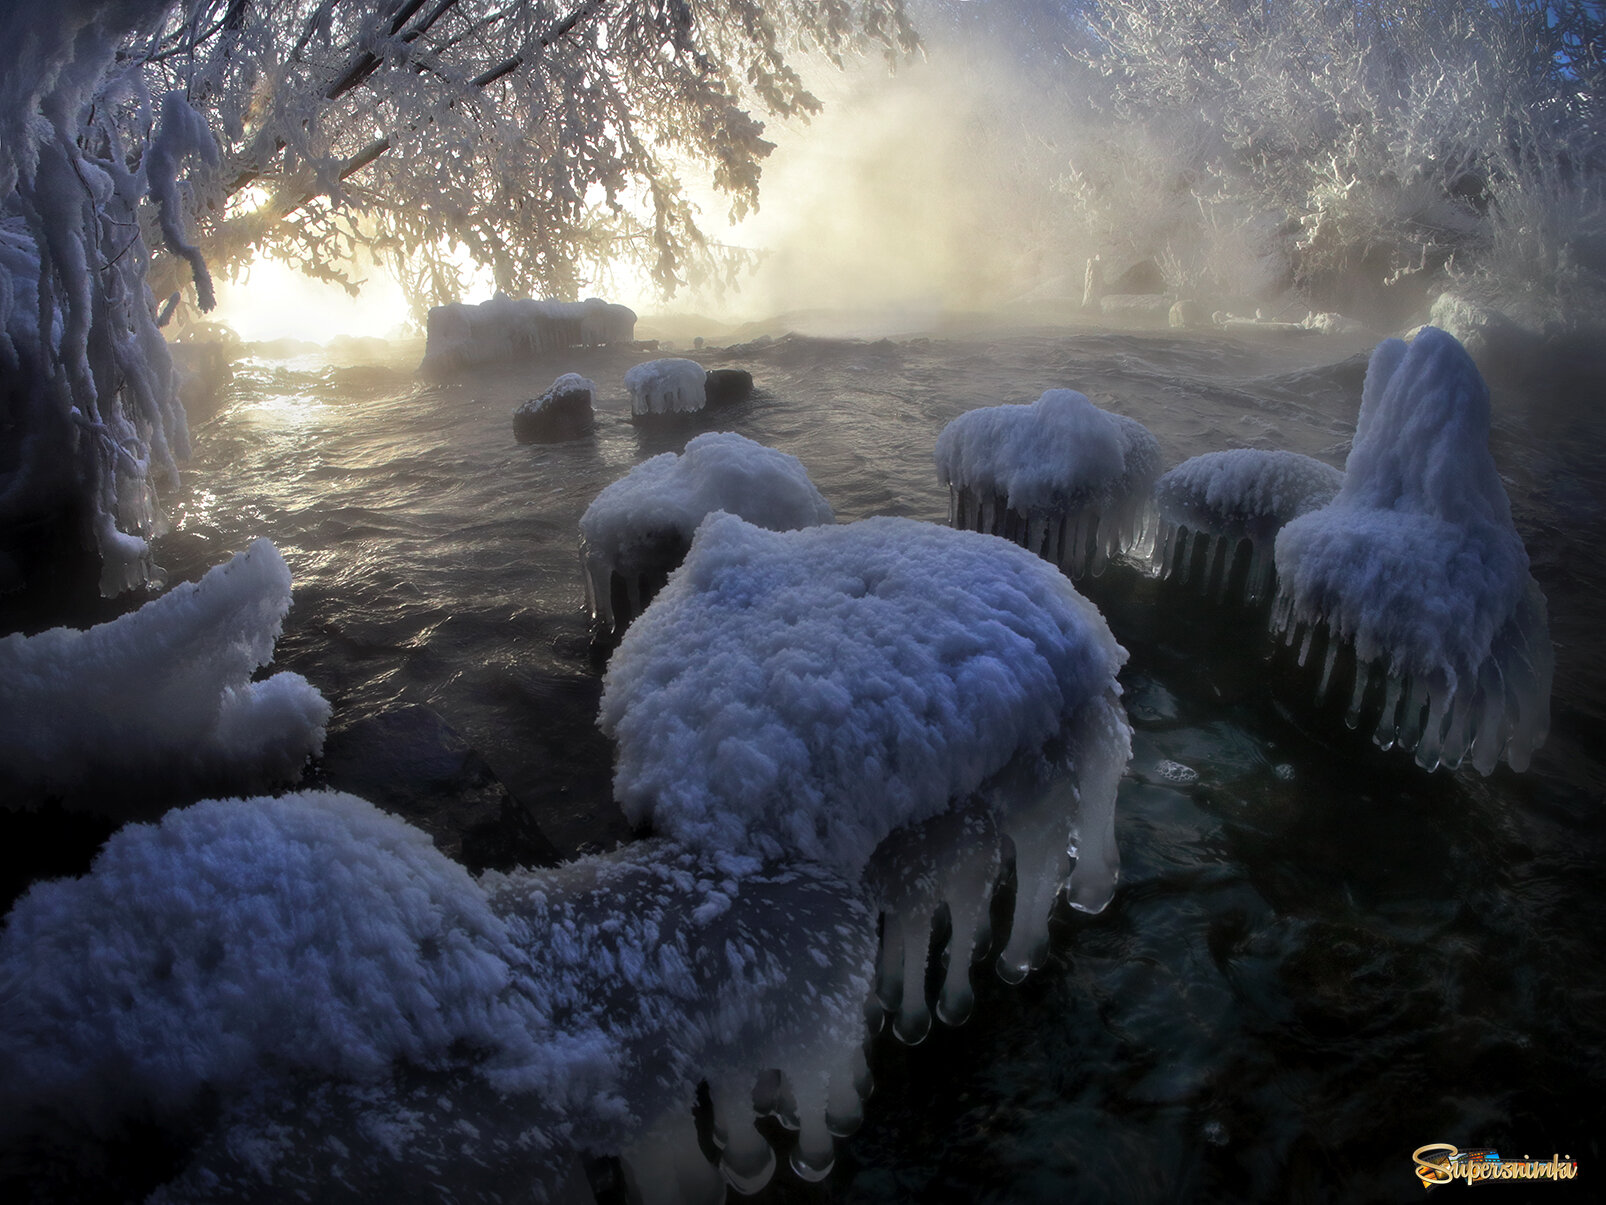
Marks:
<point>1392,143</point>
<point>145,144</point>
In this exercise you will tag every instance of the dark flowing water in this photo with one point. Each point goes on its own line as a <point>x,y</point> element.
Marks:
<point>1319,958</point>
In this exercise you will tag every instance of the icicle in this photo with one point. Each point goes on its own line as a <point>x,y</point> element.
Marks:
<point>746,1160</point>
<point>814,1155</point>
<point>1388,724</point>
<point>1328,661</point>
<point>665,1166</point>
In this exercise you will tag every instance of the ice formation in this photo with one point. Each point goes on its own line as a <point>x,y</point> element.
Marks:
<point>1219,515</point>
<point>804,694</point>
<point>638,529</point>
<point>667,387</point>
<point>1060,477</point>
<point>160,702</point>
<point>564,411</point>
<point>461,337</point>
<point>1416,567</point>
<point>316,946</point>
<point>93,421</point>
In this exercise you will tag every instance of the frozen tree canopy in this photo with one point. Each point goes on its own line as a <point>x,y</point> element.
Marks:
<point>1061,477</point>
<point>1416,564</point>
<point>160,701</point>
<point>529,139</point>
<point>804,693</point>
<point>638,529</point>
<point>1212,505</point>
<point>460,338</point>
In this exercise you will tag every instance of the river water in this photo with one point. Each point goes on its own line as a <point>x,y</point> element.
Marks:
<point>1318,958</point>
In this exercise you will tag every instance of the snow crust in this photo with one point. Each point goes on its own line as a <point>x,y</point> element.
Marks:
<point>639,526</point>
<point>667,387</point>
<point>160,701</point>
<point>1416,563</point>
<point>1211,504</point>
<point>1061,476</point>
<point>460,337</point>
<point>802,694</point>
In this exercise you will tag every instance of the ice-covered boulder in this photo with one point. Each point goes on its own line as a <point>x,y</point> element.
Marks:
<point>159,706</point>
<point>1416,567</point>
<point>638,529</point>
<point>803,694</point>
<point>563,412</point>
<point>1061,477</point>
<point>460,337</point>
<point>1219,515</point>
<point>667,387</point>
<point>237,939</point>
<point>328,983</point>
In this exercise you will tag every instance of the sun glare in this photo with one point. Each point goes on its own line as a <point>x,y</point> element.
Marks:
<point>274,301</point>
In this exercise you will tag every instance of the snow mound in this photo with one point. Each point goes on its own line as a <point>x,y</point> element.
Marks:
<point>1060,477</point>
<point>238,938</point>
<point>160,702</point>
<point>1219,515</point>
<point>638,529</point>
<point>667,387</point>
<point>802,694</point>
<point>461,337</point>
<point>1416,566</point>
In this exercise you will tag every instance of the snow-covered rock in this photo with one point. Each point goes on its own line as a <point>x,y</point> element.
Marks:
<point>462,337</point>
<point>1417,566</point>
<point>159,706</point>
<point>638,529</point>
<point>1061,477</point>
<point>563,412</point>
<point>1223,509</point>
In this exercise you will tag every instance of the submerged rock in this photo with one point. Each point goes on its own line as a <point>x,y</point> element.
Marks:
<point>409,761</point>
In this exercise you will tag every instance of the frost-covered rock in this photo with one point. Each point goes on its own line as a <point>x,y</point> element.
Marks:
<point>158,705</point>
<point>667,387</point>
<point>563,412</point>
<point>1417,567</point>
<point>239,939</point>
<point>356,1009</point>
<point>1219,515</point>
<point>802,694</point>
<point>461,337</point>
<point>1061,477</point>
<point>638,529</point>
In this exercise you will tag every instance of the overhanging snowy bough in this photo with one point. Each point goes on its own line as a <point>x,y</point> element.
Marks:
<point>1416,573</point>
